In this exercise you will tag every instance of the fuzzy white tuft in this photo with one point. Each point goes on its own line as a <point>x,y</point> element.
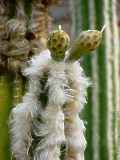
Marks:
<point>80,82</point>
<point>23,114</point>
<point>66,87</point>
<point>37,64</point>
<point>74,127</point>
<point>51,129</point>
<point>20,124</point>
<point>58,84</point>
<point>49,153</point>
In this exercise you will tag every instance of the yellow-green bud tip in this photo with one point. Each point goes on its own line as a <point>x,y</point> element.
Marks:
<point>59,27</point>
<point>103,28</point>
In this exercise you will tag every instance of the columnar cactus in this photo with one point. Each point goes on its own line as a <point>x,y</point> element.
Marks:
<point>15,50</point>
<point>48,115</point>
<point>103,103</point>
<point>39,24</point>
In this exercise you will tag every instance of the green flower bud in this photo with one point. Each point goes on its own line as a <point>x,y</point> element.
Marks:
<point>86,42</point>
<point>58,42</point>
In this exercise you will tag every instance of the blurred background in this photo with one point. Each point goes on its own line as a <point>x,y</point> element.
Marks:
<point>38,17</point>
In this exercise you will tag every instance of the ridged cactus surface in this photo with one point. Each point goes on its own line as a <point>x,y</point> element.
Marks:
<point>102,110</point>
<point>5,107</point>
<point>20,38</point>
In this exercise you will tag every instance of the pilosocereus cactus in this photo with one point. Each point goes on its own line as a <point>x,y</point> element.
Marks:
<point>102,111</point>
<point>26,24</point>
<point>22,24</point>
<point>48,115</point>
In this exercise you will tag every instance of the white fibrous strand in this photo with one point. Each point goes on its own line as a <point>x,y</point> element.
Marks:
<point>39,127</point>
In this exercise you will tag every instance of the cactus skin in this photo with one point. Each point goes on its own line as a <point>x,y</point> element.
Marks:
<point>103,103</point>
<point>5,106</point>
<point>39,24</point>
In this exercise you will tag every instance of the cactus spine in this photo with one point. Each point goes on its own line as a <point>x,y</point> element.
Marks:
<point>103,103</point>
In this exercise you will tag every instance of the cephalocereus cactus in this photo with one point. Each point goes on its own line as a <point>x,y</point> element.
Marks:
<point>15,49</point>
<point>48,115</point>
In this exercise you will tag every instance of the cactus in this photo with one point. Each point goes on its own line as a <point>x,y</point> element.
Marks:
<point>102,109</point>
<point>86,42</point>
<point>39,24</point>
<point>14,17</point>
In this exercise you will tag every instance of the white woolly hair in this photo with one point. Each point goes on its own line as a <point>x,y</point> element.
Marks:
<point>52,129</point>
<point>49,153</point>
<point>22,116</point>
<point>74,126</point>
<point>76,75</point>
<point>37,64</point>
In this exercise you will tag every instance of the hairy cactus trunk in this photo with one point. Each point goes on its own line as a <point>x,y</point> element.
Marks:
<point>13,56</point>
<point>102,110</point>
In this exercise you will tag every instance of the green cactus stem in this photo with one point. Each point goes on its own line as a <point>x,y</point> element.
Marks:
<point>5,106</point>
<point>102,109</point>
<point>18,89</point>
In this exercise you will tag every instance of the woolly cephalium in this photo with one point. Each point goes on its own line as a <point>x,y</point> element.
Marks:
<point>49,113</point>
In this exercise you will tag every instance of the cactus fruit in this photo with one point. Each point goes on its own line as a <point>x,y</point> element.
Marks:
<point>58,42</point>
<point>89,40</point>
<point>86,42</point>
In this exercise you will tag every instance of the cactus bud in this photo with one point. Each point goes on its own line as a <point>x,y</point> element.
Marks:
<point>89,40</point>
<point>58,42</point>
<point>86,42</point>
